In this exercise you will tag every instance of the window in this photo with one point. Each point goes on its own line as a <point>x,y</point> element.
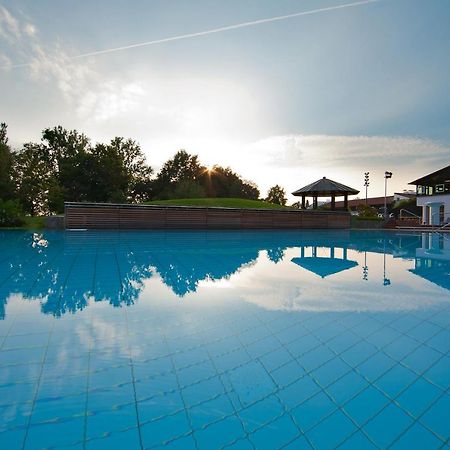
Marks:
<point>439,188</point>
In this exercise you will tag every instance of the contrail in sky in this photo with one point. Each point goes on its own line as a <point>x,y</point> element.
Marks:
<point>211,31</point>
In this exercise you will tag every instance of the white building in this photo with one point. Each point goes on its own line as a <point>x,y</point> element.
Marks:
<point>433,195</point>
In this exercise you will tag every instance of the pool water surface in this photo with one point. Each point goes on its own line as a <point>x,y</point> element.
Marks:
<point>236,340</point>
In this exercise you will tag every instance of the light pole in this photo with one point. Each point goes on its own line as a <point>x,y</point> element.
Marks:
<point>366,182</point>
<point>386,176</point>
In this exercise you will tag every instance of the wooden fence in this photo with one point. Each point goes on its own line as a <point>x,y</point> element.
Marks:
<point>127,217</point>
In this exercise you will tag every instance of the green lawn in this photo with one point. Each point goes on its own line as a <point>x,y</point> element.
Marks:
<point>30,223</point>
<point>223,202</point>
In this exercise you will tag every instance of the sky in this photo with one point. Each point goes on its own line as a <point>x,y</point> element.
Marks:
<point>329,88</point>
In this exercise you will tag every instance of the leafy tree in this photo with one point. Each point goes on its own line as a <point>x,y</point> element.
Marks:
<point>6,161</point>
<point>277,195</point>
<point>34,177</point>
<point>366,211</point>
<point>139,173</point>
<point>223,182</point>
<point>181,168</point>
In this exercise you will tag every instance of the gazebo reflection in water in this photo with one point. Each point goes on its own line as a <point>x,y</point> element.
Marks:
<point>324,261</point>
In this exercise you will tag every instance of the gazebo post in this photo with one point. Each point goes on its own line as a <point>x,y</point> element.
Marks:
<point>315,202</point>
<point>346,202</point>
<point>333,202</point>
<point>303,202</point>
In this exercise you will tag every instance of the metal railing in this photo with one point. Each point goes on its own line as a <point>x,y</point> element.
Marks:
<point>409,212</point>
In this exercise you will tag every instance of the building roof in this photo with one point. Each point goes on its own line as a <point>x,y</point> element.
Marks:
<point>374,201</point>
<point>440,176</point>
<point>325,188</point>
<point>324,266</point>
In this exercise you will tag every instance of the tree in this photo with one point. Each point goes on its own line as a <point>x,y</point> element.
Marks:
<point>34,177</point>
<point>181,168</point>
<point>139,173</point>
<point>277,195</point>
<point>6,161</point>
<point>223,182</point>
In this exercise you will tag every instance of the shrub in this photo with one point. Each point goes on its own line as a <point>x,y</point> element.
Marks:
<point>11,214</point>
<point>367,212</point>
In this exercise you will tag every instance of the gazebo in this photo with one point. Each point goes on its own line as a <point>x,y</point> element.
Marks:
<point>325,188</point>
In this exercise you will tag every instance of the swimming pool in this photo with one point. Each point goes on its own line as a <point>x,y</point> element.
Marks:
<point>239,340</point>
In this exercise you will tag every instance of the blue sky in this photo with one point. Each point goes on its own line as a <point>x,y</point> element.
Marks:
<point>335,93</point>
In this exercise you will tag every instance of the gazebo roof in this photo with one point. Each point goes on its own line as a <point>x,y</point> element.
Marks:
<point>325,188</point>
<point>324,266</point>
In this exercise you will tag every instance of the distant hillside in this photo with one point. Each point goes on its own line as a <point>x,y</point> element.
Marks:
<point>223,202</point>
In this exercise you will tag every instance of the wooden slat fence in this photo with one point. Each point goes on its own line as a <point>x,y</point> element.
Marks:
<point>135,217</point>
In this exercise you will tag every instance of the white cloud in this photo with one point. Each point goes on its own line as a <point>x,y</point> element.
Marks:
<point>9,26</point>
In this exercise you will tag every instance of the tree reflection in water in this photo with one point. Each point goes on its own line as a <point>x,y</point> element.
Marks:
<point>64,271</point>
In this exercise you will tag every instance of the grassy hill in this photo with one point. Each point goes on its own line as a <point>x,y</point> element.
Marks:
<point>223,202</point>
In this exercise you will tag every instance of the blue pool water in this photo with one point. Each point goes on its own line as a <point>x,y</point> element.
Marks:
<point>237,340</point>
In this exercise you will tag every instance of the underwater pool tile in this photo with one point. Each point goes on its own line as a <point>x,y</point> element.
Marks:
<point>347,387</point>
<point>365,405</point>
<point>421,358</point>
<point>299,443</point>
<point>418,397</point>
<point>18,341</point>
<point>203,391</point>
<point>261,347</point>
<point>55,434</point>
<point>439,373</point>
<point>417,437</point>
<point>15,416</point>
<point>330,371</point>
<point>241,444</point>
<point>220,434</point>
<point>316,358</point>
<point>383,337</point>
<point>115,420</point>
<point>401,347</point>
<point>441,341</point>
<point>287,374</point>
<point>397,379</point>
<point>165,429</point>
<point>303,345</point>
<point>22,356</point>
<point>182,443</point>
<point>12,439</point>
<point>231,360</point>
<point>210,411</point>
<point>342,342</point>
<point>278,433</point>
<point>58,408</point>
<point>331,431</point>
<point>387,425</point>
<point>17,392</point>
<point>299,391</point>
<point>196,373</point>
<point>436,418</point>
<point>128,439</point>
<point>357,441</point>
<point>375,366</point>
<point>424,331</point>
<point>358,353</point>
<point>313,410</point>
<point>251,382</point>
<point>275,359</point>
<point>261,413</point>
<point>160,406</point>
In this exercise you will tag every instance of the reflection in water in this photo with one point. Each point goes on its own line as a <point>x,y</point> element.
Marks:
<point>64,271</point>
<point>324,264</point>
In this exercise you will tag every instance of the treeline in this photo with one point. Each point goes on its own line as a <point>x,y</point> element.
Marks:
<point>66,166</point>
